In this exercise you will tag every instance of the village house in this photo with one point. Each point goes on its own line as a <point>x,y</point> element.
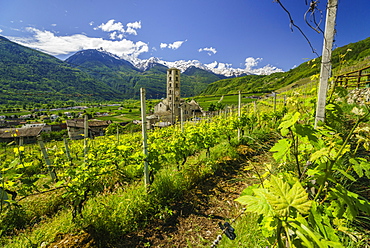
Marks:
<point>21,136</point>
<point>8,123</point>
<point>76,129</point>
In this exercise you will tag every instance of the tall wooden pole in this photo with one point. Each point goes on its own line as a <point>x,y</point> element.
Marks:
<point>144,134</point>
<point>239,111</point>
<point>325,72</point>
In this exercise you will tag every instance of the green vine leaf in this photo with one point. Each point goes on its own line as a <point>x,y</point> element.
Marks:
<point>361,166</point>
<point>283,198</point>
<point>256,204</point>
<point>307,131</point>
<point>288,121</point>
<point>280,149</point>
<point>321,155</point>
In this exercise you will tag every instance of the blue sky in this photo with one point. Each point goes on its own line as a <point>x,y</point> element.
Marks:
<point>237,32</point>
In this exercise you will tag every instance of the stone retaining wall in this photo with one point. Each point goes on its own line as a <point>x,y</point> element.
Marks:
<point>359,96</point>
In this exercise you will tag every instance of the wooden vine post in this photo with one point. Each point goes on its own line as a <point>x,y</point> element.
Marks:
<point>144,134</point>
<point>182,119</point>
<point>86,136</point>
<point>46,157</point>
<point>67,149</point>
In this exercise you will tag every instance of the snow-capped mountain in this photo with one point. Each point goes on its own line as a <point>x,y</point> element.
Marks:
<point>215,67</point>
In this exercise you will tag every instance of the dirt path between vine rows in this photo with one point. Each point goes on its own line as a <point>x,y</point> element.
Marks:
<point>193,221</point>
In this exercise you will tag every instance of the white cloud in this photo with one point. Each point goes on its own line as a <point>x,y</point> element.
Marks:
<point>130,30</point>
<point>176,45</point>
<point>91,23</point>
<point>134,25</point>
<point>219,65</point>
<point>173,46</point>
<point>54,25</point>
<point>251,62</point>
<point>110,26</point>
<point>1,30</point>
<point>48,42</point>
<point>115,35</point>
<point>209,50</point>
<point>117,29</point>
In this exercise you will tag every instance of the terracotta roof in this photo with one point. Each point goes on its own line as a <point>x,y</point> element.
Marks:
<point>20,132</point>
<point>80,123</point>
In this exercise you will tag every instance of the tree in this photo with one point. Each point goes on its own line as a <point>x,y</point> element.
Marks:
<point>216,106</point>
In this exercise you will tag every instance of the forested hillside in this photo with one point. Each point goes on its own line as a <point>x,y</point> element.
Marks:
<point>344,58</point>
<point>29,75</point>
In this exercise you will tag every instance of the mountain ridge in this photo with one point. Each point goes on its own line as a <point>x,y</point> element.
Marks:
<point>215,67</point>
<point>127,78</point>
<point>31,75</point>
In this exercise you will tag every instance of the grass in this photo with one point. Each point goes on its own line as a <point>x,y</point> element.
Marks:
<point>43,232</point>
<point>247,234</point>
<point>115,118</point>
<point>128,110</point>
<point>227,100</point>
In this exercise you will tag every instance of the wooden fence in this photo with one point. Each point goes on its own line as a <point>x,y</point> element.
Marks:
<point>354,79</point>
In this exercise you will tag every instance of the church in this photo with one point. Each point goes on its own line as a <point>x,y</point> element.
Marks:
<point>169,109</point>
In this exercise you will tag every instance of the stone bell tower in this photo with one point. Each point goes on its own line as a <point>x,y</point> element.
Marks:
<point>173,93</point>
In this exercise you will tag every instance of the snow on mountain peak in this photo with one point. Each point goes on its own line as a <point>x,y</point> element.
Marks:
<point>108,53</point>
<point>215,67</point>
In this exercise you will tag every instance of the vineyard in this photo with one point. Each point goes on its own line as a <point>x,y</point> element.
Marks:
<point>313,194</point>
